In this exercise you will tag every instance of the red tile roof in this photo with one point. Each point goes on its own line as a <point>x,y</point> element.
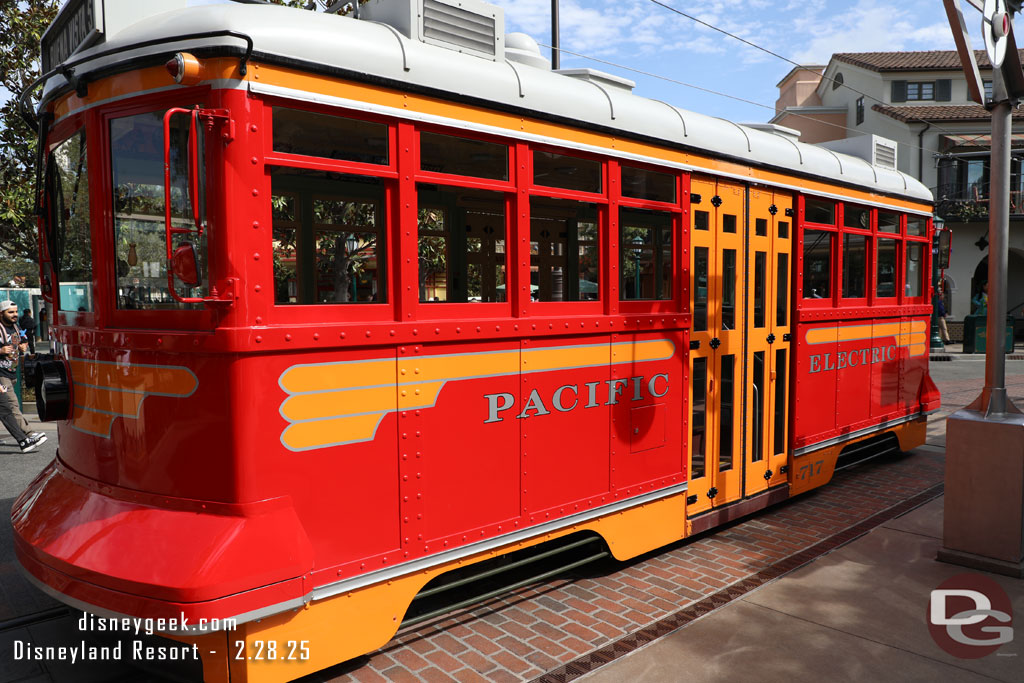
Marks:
<point>947,112</point>
<point>931,60</point>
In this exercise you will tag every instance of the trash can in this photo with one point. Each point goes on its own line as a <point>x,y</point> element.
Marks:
<point>974,334</point>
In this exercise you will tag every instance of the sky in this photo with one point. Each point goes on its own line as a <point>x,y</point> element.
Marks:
<point>645,36</point>
<point>642,35</point>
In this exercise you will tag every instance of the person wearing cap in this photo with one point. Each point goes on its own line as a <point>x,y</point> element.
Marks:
<point>12,344</point>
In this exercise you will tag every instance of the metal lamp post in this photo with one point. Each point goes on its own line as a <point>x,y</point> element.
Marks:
<point>936,338</point>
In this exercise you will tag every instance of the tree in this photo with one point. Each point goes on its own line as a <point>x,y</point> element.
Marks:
<point>22,24</point>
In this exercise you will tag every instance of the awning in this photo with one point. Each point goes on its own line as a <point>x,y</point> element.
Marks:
<point>977,141</point>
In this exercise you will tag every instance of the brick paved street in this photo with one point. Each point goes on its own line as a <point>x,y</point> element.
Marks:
<point>536,632</point>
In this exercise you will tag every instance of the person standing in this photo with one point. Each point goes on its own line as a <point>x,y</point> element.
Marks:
<point>28,325</point>
<point>939,308</point>
<point>12,345</point>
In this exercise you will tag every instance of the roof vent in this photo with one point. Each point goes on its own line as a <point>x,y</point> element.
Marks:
<point>599,78</point>
<point>470,26</point>
<point>523,49</point>
<point>775,129</point>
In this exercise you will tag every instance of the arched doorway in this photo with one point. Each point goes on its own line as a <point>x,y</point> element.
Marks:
<point>979,278</point>
<point>1014,286</point>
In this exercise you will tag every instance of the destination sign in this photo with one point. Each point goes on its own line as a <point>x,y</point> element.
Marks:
<point>77,25</point>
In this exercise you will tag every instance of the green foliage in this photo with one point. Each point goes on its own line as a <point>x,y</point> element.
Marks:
<point>21,25</point>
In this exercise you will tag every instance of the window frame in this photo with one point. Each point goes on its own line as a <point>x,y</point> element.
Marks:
<point>607,290</point>
<point>833,229</point>
<point>388,174</point>
<point>868,233</point>
<point>680,273</point>
<point>444,310</point>
<point>925,241</point>
<point>203,315</point>
<point>58,135</point>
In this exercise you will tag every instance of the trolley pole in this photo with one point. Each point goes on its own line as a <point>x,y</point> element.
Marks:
<point>983,513</point>
<point>555,61</point>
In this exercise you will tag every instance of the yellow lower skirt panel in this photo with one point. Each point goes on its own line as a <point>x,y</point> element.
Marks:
<point>814,469</point>
<point>333,630</point>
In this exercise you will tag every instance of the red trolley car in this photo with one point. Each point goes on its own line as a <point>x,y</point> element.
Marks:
<point>369,299</point>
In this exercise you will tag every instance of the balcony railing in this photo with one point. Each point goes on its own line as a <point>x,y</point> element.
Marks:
<point>969,203</point>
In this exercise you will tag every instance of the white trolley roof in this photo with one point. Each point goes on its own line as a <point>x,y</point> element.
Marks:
<point>376,52</point>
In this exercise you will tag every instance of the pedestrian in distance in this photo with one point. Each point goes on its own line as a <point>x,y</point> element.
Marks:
<point>28,325</point>
<point>980,300</point>
<point>12,344</point>
<point>939,307</point>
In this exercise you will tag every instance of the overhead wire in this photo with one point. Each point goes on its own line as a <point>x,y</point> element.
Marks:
<point>720,94</point>
<point>823,76</point>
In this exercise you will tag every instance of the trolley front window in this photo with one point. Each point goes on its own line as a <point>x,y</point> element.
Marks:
<point>140,249</point>
<point>69,205</point>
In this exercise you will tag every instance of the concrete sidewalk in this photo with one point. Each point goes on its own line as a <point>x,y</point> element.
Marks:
<point>858,613</point>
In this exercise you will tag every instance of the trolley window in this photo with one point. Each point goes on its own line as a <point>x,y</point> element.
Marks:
<point>782,289</point>
<point>819,211</point>
<point>461,238</point>
<point>564,250</point>
<point>640,183</point>
<point>700,294</point>
<point>69,206</point>
<point>888,222</point>
<point>698,427</point>
<point>645,257</point>
<point>461,156</point>
<point>917,226</point>
<point>329,237</point>
<point>855,262</point>
<point>334,137</point>
<point>914,268</point>
<point>856,217</point>
<point>140,251</point>
<point>885,269</point>
<point>817,264</point>
<point>551,169</point>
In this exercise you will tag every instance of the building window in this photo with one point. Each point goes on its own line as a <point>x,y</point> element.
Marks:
<point>837,81</point>
<point>860,110</point>
<point>921,90</point>
<point>988,89</point>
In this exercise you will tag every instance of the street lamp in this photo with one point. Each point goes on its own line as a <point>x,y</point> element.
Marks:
<point>635,251</point>
<point>936,339</point>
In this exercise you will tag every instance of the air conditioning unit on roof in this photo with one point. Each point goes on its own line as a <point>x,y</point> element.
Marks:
<point>470,26</point>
